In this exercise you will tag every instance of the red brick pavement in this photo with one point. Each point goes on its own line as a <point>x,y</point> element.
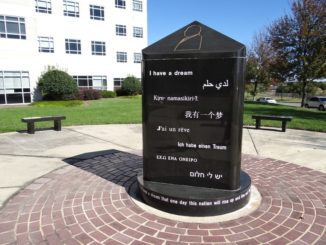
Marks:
<point>87,203</point>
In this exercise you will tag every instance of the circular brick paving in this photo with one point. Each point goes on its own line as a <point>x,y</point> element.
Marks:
<point>88,203</point>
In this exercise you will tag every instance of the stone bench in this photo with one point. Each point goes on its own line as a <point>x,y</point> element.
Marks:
<point>284,120</point>
<point>31,122</point>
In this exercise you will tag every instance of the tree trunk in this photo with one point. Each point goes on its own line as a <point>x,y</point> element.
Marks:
<point>303,92</point>
<point>255,90</point>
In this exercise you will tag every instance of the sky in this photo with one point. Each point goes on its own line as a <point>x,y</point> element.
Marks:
<point>238,19</point>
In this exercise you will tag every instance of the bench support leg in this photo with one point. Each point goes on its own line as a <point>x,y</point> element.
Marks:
<point>257,123</point>
<point>283,126</point>
<point>30,128</point>
<point>57,125</point>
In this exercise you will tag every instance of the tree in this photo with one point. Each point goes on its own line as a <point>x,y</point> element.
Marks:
<point>131,86</point>
<point>258,63</point>
<point>57,85</point>
<point>298,42</point>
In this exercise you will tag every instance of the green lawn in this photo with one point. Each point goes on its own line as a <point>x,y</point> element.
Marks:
<point>128,110</point>
<point>104,111</point>
<point>303,118</point>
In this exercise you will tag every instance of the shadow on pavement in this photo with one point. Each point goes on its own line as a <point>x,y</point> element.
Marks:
<point>118,167</point>
<point>266,129</point>
<point>36,130</point>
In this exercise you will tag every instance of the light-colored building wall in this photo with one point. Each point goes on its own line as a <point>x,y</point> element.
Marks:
<point>23,54</point>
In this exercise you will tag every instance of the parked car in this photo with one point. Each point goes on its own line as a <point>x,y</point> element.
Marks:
<point>316,102</point>
<point>266,100</point>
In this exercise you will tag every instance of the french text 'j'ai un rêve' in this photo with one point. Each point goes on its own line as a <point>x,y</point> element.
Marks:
<point>172,129</point>
<point>175,73</point>
<point>183,98</point>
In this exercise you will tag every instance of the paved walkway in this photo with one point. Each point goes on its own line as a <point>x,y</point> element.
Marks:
<point>85,200</point>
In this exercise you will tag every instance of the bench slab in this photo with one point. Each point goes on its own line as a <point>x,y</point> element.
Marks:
<point>31,122</point>
<point>284,120</point>
<point>42,119</point>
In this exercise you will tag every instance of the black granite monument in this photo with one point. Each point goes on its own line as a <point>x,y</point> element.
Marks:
<point>193,86</point>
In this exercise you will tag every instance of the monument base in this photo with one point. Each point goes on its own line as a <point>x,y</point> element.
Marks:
<point>192,200</point>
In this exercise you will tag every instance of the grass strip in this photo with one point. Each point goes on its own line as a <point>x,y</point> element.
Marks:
<point>303,118</point>
<point>104,111</point>
<point>128,110</point>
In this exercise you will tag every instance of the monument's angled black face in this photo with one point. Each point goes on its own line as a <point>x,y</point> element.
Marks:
<point>192,112</point>
<point>189,124</point>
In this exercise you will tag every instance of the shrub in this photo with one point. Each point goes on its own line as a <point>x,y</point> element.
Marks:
<point>121,92</point>
<point>108,94</point>
<point>131,86</point>
<point>89,94</point>
<point>57,85</point>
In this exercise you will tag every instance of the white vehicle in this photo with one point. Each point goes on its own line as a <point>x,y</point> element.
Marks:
<point>266,100</point>
<point>316,102</point>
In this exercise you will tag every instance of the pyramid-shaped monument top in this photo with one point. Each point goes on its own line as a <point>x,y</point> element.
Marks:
<point>195,40</point>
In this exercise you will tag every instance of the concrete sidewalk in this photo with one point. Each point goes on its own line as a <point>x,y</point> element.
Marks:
<point>26,157</point>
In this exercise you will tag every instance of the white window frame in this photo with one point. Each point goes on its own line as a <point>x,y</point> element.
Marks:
<point>70,8</point>
<point>138,32</point>
<point>137,58</point>
<point>122,57</point>
<point>137,5</point>
<point>117,82</point>
<point>69,44</point>
<point>19,22</point>
<point>45,44</point>
<point>120,4</point>
<point>121,30</point>
<point>93,9</point>
<point>21,86</point>
<point>91,80</point>
<point>43,6</point>
<point>101,46</point>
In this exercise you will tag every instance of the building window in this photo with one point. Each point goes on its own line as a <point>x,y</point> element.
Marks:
<point>12,27</point>
<point>138,32</point>
<point>120,30</point>
<point>117,82</point>
<point>73,46</point>
<point>96,12</point>
<point>122,57</point>
<point>43,6</point>
<point>121,4</point>
<point>45,45</point>
<point>94,82</point>
<point>98,48</point>
<point>70,8</point>
<point>14,87</point>
<point>137,57</point>
<point>137,5</point>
